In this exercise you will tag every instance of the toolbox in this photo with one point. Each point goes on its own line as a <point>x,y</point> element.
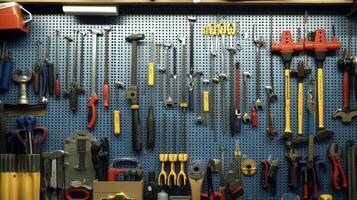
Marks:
<point>13,18</point>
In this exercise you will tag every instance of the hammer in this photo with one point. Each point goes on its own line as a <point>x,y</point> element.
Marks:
<point>132,92</point>
<point>345,64</point>
<point>300,73</point>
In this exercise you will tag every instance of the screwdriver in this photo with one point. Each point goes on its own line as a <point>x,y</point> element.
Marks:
<point>116,112</point>
<point>106,94</point>
<point>58,82</point>
<point>151,81</point>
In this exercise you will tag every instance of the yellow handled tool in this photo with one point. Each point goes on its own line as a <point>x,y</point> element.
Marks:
<point>181,176</point>
<point>116,112</point>
<point>300,73</point>
<point>161,181</point>
<point>287,130</point>
<point>171,179</point>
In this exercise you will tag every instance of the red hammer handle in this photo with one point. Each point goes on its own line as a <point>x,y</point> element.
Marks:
<point>346,89</point>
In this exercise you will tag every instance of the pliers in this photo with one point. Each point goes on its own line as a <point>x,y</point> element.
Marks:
<point>334,153</point>
<point>269,168</point>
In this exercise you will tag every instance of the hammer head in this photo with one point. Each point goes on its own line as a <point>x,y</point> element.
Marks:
<point>119,85</point>
<point>301,72</point>
<point>192,19</point>
<point>69,39</point>
<point>167,44</point>
<point>96,31</point>
<point>135,37</point>
<point>246,74</point>
<point>107,28</point>
<point>182,39</point>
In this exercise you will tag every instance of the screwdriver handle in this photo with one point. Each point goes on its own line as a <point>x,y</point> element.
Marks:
<point>137,144</point>
<point>151,74</point>
<point>43,78</point>
<point>150,129</point>
<point>116,122</point>
<point>106,95</point>
<point>346,89</point>
<point>73,99</point>
<point>92,115</point>
<point>190,98</point>
<point>36,80</point>
<point>205,101</point>
<point>254,117</point>
<point>50,78</point>
<point>58,88</point>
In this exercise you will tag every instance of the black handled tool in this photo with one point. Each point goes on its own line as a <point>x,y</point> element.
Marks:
<point>132,92</point>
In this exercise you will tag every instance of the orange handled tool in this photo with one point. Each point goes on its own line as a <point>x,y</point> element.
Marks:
<point>94,98</point>
<point>106,94</point>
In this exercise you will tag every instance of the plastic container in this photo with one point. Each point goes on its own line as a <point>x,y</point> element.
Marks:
<point>13,20</point>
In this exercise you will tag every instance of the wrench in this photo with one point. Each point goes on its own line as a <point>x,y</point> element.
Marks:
<point>199,118</point>
<point>66,88</point>
<point>169,101</point>
<point>246,117</point>
<point>161,85</point>
<point>259,43</point>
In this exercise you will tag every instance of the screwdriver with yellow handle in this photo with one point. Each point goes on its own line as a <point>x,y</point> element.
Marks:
<point>205,100</point>
<point>116,112</point>
<point>151,82</point>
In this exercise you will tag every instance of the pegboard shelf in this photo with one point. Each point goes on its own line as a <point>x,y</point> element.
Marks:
<point>216,2</point>
<point>201,144</point>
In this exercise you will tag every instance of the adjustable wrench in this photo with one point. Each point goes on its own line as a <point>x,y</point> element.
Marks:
<point>259,43</point>
<point>74,85</point>
<point>168,102</point>
<point>245,117</point>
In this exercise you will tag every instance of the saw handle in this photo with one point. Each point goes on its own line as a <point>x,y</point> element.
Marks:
<point>106,95</point>
<point>346,89</point>
<point>92,115</point>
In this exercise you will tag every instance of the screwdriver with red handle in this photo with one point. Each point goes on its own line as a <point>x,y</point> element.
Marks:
<point>106,93</point>
<point>58,81</point>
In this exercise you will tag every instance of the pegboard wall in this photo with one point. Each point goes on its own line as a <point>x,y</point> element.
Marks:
<point>61,122</point>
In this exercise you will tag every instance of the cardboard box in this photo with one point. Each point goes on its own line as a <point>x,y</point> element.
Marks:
<point>132,189</point>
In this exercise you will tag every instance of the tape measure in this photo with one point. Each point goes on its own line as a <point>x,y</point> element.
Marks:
<point>249,167</point>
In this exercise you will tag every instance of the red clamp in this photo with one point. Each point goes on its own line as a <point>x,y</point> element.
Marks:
<point>287,44</point>
<point>320,43</point>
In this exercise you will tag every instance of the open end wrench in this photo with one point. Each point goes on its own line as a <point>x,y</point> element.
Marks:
<point>259,43</point>
<point>245,117</point>
<point>199,118</point>
<point>169,101</point>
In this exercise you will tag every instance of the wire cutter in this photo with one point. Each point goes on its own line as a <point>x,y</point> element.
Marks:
<point>334,153</point>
